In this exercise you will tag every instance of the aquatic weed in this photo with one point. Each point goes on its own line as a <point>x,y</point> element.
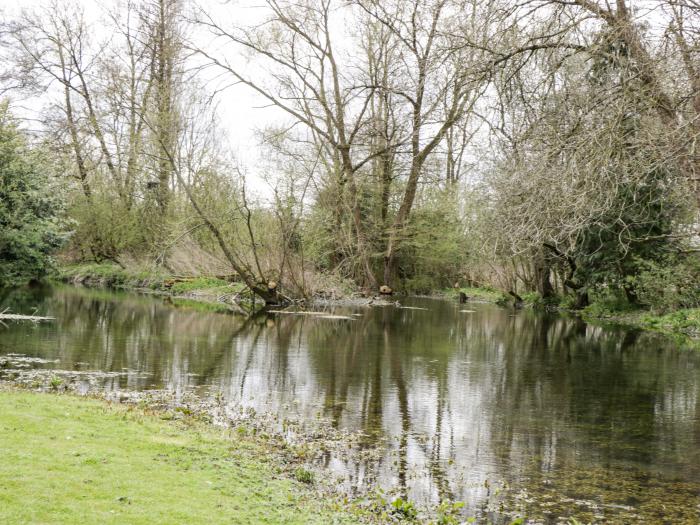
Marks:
<point>304,476</point>
<point>448,513</point>
<point>404,509</point>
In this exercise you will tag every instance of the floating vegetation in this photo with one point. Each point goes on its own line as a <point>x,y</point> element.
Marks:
<point>303,475</point>
<point>22,370</point>
<point>20,360</point>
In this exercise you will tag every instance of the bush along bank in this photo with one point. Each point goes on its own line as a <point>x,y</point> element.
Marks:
<point>683,324</point>
<point>663,315</point>
<point>217,294</point>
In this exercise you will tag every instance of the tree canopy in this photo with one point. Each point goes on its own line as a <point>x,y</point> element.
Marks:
<point>31,228</point>
<point>532,146</point>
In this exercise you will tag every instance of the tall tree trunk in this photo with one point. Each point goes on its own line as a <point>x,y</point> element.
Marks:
<point>75,143</point>
<point>164,50</point>
<point>542,271</point>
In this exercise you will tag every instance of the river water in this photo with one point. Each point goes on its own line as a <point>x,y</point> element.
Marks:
<point>508,411</point>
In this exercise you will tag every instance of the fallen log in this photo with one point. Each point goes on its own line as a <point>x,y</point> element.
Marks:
<point>18,317</point>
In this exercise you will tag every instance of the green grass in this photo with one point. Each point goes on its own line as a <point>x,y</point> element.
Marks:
<point>200,306</point>
<point>481,294</point>
<point>684,321</point>
<point>71,460</point>
<point>197,283</point>
<point>203,292</point>
<point>683,324</point>
<point>112,276</point>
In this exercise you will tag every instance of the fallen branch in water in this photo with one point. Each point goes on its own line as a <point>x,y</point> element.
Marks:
<point>4,316</point>
<point>296,312</point>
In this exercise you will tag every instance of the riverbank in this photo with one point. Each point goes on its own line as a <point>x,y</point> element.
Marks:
<point>214,294</point>
<point>217,294</point>
<point>154,457</point>
<point>683,324</point>
<point>476,294</point>
<point>206,293</point>
<point>98,462</point>
<point>301,383</point>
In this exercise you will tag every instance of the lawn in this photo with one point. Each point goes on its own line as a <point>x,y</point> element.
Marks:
<point>65,459</point>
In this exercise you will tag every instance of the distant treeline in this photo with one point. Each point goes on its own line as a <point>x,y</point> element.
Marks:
<point>539,147</point>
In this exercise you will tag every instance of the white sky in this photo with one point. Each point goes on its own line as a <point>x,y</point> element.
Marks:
<point>240,110</point>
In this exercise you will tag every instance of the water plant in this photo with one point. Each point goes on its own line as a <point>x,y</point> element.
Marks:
<point>448,513</point>
<point>404,509</point>
<point>304,476</point>
<point>55,382</point>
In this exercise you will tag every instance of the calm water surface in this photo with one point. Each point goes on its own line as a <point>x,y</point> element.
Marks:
<point>500,409</point>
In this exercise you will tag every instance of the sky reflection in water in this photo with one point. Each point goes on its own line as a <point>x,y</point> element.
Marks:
<point>491,407</point>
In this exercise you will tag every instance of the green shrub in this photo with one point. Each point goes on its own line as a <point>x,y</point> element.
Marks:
<point>687,321</point>
<point>30,225</point>
<point>668,285</point>
<point>106,227</point>
<point>485,293</point>
<point>448,513</point>
<point>607,305</point>
<point>404,509</point>
<point>112,276</point>
<point>421,284</point>
<point>433,248</point>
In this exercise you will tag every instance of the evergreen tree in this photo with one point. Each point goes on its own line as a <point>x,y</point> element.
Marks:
<point>30,223</point>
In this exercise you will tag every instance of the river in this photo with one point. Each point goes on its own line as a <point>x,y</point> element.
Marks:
<point>508,411</point>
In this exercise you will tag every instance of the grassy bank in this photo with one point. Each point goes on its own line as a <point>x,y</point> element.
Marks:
<point>74,460</point>
<point>683,324</point>
<point>211,294</point>
<point>205,293</point>
<point>479,294</point>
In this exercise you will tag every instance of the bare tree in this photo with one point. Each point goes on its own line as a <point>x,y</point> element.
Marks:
<point>409,69</point>
<point>436,81</point>
<point>314,83</point>
<point>162,20</point>
<point>660,38</point>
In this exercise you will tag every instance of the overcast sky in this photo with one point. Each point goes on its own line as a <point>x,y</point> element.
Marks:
<point>240,110</point>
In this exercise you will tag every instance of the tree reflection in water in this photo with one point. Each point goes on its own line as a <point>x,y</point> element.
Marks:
<point>559,413</point>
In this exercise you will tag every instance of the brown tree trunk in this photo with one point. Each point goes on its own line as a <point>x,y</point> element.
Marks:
<point>362,248</point>
<point>164,49</point>
<point>543,283</point>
